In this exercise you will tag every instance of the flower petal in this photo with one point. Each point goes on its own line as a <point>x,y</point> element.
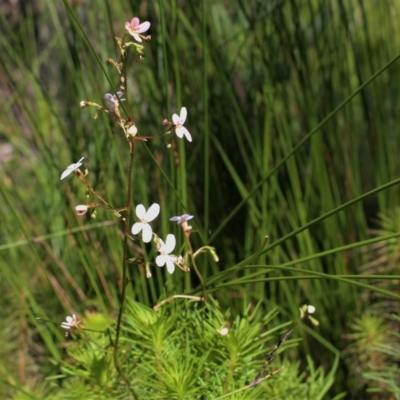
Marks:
<point>135,22</point>
<point>147,233</point>
<point>161,260</point>
<point>170,243</point>
<point>176,120</point>
<point>183,115</point>
<point>140,211</point>
<point>170,266</point>
<point>143,27</point>
<point>186,133</point>
<point>180,132</point>
<point>66,173</point>
<point>152,212</point>
<point>136,36</point>
<point>136,228</point>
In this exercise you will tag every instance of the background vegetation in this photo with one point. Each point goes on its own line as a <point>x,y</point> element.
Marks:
<point>293,107</point>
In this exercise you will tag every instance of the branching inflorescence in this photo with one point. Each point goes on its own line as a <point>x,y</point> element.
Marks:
<point>116,107</point>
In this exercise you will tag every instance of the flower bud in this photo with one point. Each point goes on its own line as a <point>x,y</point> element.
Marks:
<point>132,130</point>
<point>311,309</point>
<point>83,104</point>
<point>81,209</point>
<point>148,273</point>
<point>224,331</point>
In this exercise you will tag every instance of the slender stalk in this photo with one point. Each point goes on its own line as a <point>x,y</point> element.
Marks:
<point>192,258</point>
<point>91,188</point>
<point>125,257</point>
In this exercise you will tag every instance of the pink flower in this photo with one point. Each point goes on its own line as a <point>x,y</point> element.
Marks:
<point>179,120</point>
<point>81,209</point>
<point>113,100</point>
<point>180,219</point>
<point>134,28</point>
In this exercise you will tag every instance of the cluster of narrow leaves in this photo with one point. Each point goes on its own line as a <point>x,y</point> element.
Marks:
<point>182,352</point>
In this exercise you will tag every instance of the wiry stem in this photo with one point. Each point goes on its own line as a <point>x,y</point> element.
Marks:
<point>91,188</point>
<point>186,231</point>
<point>125,258</point>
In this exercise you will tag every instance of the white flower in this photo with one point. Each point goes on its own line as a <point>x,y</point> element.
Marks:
<point>71,168</point>
<point>180,219</point>
<point>70,322</point>
<point>145,217</point>
<point>113,100</point>
<point>134,27</point>
<point>179,120</point>
<point>164,249</point>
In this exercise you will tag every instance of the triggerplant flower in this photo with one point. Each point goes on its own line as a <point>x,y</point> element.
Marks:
<point>113,100</point>
<point>145,217</point>
<point>70,322</point>
<point>71,168</point>
<point>135,28</point>
<point>180,219</point>
<point>164,249</point>
<point>179,120</point>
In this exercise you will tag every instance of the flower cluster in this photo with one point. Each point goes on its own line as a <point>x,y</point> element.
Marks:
<point>164,248</point>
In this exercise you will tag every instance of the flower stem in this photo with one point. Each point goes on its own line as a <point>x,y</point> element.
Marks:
<point>125,256</point>
<point>187,234</point>
<point>91,188</point>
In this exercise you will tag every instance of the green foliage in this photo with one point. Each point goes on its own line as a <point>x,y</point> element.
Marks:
<point>178,353</point>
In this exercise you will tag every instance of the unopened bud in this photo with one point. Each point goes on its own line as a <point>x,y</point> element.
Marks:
<point>311,309</point>
<point>132,130</point>
<point>81,209</point>
<point>165,122</point>
<point>83,104</point>
<point>214,254</point>
<point>224,331</point>
<point>148,272</point>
